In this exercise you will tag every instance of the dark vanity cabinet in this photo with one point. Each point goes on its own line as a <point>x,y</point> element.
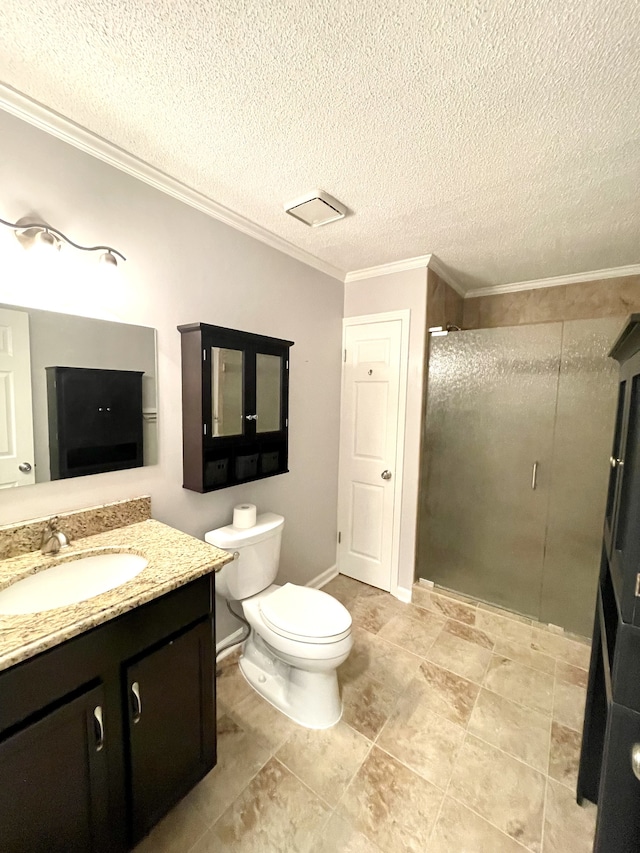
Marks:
<point>609,772</point>
<point>235,394</point>
<point>102,735</point>
<point>95,420</point>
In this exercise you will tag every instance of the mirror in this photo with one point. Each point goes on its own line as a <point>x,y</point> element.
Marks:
<point>32,343</point>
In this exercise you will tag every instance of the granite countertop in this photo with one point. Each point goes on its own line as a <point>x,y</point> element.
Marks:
<point>174,559</point>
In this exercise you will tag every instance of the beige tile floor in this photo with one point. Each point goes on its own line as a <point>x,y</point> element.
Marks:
<point>460,734</point>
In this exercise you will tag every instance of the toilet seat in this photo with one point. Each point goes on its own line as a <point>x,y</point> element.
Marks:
<point>305,614</point>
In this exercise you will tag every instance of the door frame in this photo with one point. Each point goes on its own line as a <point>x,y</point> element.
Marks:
<point>404,316</point>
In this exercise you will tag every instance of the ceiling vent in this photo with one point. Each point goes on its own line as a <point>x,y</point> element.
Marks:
<point>316,208</point>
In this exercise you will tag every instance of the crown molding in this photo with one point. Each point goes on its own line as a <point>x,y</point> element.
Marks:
<point>57,125</point>
<point>442,272</point>
<point>556,281</point>
<point>387,269</point>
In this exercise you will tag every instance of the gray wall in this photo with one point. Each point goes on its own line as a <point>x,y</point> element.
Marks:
<point>182,267</point>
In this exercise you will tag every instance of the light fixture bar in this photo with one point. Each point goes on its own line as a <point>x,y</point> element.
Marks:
<point>22,226</point>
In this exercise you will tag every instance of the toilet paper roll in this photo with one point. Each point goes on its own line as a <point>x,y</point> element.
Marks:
<point>244,515</point>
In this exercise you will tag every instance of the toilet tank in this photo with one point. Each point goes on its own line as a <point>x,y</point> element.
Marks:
<point>258,549</point>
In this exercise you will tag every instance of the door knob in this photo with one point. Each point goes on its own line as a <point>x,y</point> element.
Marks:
<point>25,467</point>
<point>386,475</point>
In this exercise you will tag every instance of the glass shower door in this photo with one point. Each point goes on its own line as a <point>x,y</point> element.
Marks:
<point>587,390</point>
<point>491,402</point>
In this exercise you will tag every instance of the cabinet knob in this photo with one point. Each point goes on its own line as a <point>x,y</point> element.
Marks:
<point>251,417</point>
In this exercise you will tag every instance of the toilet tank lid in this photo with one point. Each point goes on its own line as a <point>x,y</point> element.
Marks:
<point>231,538</point>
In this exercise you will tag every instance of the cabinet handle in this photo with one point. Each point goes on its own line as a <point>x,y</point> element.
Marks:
<point>534,475</point>
<point>97,716</point>
<point>137,707</point>
<point>635,760</point>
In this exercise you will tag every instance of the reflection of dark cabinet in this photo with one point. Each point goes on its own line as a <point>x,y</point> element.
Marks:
<point>89,764</point>
<point>235,397</point>
<point>95,420</point>
<point>54,792</point>
<point>610,758</point>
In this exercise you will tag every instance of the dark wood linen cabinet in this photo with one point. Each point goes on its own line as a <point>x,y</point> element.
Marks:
<point>609,772</point>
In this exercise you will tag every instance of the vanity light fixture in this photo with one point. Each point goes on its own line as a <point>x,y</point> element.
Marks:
<point>44,237</point>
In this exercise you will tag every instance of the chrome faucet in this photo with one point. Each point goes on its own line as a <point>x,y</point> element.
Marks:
<point>52,538</point>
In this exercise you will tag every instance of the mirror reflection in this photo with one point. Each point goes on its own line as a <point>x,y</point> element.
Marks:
<point>77,396</point>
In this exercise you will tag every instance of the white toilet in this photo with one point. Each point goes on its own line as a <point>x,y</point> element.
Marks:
<point>299,636</point>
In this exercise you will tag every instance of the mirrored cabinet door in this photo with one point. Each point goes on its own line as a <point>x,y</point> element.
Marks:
<point>234,406</point>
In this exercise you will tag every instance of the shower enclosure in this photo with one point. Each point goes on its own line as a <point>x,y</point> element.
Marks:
<point>518,433</point>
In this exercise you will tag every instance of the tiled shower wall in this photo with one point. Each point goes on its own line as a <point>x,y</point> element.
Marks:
<point>591,300</point>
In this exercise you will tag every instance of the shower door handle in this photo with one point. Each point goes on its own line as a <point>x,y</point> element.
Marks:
<point>534,475</point>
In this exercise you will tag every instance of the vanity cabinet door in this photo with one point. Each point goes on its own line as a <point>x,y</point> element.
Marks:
<point>53,782</point>
<point>171,724</point>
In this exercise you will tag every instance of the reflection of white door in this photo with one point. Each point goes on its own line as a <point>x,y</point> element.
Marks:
<point>16,423</point>
<point>372,417</point>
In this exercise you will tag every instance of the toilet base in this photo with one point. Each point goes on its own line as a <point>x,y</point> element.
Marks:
<point>311,699</point>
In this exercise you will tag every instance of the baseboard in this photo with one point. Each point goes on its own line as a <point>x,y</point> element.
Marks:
<point>234,638</point>
<point>323,578</point>
<point>402,594</point>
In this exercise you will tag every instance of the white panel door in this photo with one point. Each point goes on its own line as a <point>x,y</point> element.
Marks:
<point>16,422</point>
<point>368,451</point>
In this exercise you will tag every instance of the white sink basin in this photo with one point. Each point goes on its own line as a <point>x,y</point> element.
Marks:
<point>69,582</point>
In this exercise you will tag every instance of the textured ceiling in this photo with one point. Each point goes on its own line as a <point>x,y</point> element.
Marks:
<point>502,136</point>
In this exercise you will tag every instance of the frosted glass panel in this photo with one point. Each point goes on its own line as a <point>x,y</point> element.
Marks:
<point>586,409</point>
<point>268,381</point>
<point>227,366</point>
<point>490,413</point>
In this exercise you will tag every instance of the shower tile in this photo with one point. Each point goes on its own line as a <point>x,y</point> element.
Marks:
<point>390,804</point>
<point>274,812</point>
<point>519,731</point>
<point>372,612</point>
<point>459,830</point>
<point>504,791</point>
<point>443,604</point>
<point>325,760</point>
<point>520,683</point>
<point>466,632</point>
<point>564,756</point>
<point>447,694</point>
<point>460,657</point>
<point>506,614</point>
<point>568,827</point>
<point>339,835</point>
<point>263,721</point>
<point>415,634</point>
<point>569,651</point>
<point>239,757</point>
<point>525,655</point>
<point>572,674</point>
<point>231,685</point>
<point>503,629</point>
<point>568,705</point>
<point>424,741</point>
<point>367,704</point>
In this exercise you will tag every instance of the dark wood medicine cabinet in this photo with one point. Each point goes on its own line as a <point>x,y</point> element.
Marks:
<point>235,406</point>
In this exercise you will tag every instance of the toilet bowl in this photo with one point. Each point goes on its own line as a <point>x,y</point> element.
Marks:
<point>299,635</point>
